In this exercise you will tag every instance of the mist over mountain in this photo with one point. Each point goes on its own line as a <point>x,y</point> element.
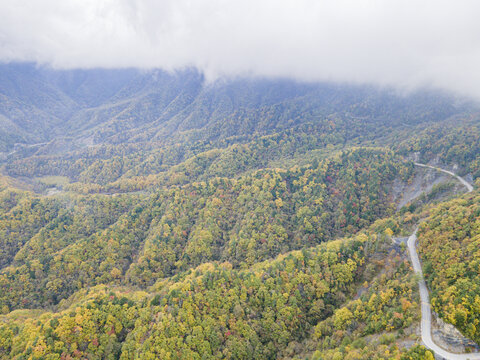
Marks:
<point>239,180</point>
<point>91,107</point>
<point>402,44</point>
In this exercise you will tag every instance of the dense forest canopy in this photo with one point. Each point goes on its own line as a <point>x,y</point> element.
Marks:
<point>449,244</point>
<point>146,214</point>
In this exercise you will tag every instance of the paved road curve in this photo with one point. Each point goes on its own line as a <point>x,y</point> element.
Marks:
<point>467,185</point>
<point>426,323</point>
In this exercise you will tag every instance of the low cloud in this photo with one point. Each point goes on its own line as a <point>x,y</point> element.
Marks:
<point>402,43</point>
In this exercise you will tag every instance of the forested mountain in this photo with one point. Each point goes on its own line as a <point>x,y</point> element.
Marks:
<point>73,109</point>
<point>147,214</point>
<point>77,241</point>
<point>215,311</point>
<point>449,242</point>
<point>94,107</point>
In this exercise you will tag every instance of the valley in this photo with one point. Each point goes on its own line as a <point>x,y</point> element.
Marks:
<point>151,214</point>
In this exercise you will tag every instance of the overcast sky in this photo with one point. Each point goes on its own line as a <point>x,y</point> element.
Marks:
<point>405,43</point>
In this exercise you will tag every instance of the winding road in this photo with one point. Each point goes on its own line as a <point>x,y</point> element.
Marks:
<point>426,323</point>
<point>462,180</point>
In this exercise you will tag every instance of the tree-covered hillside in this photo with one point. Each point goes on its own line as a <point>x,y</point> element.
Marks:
<point>449,243</point>
<point>216,311</point>
<point>55,246</point>
<point>153,215</point>
<point>127,122</point>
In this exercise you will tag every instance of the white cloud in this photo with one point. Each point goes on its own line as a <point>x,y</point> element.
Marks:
<point>405,43</point>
